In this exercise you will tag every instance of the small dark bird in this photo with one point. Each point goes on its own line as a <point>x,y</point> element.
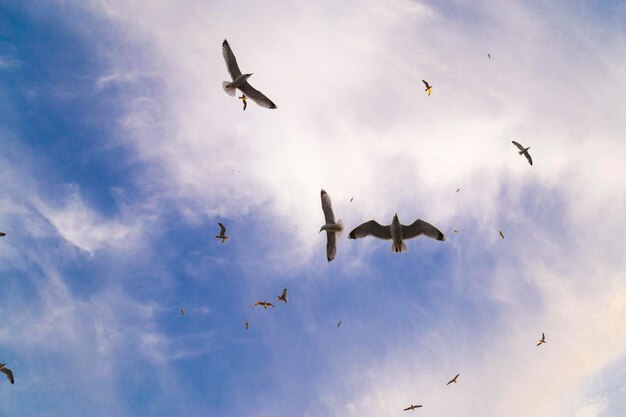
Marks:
<point>543,339</point>
<point>265,304</point>
<point>222,234</point>
<point>339,324</point>
<point>7,372</point>
<point>247,325</point>
<point>489,55</point>
<point>351,199</point>
<point>412,407</point>
<point>523,151</point>
<point>458,189</point>
<point>428,87</point>
<point>501,234</point>
<point>283,296</point>
<point>453,379</point>
<point>182,311</point>
<point>455,231</point>
<point>245,101</point>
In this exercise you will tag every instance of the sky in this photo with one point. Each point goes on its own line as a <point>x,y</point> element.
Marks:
<point>120,153</point>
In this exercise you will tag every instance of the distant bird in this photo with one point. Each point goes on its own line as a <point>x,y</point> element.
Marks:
<point>331,227</point>
<point>455,231</point>
<point>523,151</point>
<point>7,372</point>
<point>351,199</point>
<point>246,324</point>
<point>542,340</point>
<point>245,101</point>
<point>412,407</point>
<point>2,234</point>
<point>182,311</point>
<point>339,324</point>
<point>489,55</point>
<point>501,234</point>
<point>222,234</point>
<point>396,232</point>
<point>458,189</point>
<point>240,81</point>
<point>265,304</point>
<point>283,296</point>
<point>453,379</point>
<point>428,87</point>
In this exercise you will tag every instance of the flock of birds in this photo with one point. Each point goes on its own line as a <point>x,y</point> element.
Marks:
<point>396,231</point>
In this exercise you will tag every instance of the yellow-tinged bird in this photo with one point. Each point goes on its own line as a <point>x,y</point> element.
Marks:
<point>245,101</point>
<point>428,87</point>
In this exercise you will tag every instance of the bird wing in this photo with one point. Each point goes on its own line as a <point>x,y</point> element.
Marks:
<point>527,155</point>
<point>231,62</point>
<point>371,228</point>
<point>270,305</point>
<point>426,83</point>
<point>331,245</point>
<point>520,147</point>
<point>407,409</point>
<point>256,96</point>
<point>222,229</point>
<point>9,374</point>
<point>543,336</point>
<point>419,227</point>
<point>327,208</point>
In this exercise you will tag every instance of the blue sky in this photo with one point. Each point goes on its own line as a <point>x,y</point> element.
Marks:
<point>121,153</point>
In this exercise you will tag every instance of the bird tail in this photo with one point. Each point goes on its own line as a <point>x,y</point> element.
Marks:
<point>398,248</point>
<point>229,88</point>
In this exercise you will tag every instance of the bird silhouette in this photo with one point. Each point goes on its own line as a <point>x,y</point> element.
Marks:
<point>283,296</point>
<point>412,407</point>
<point>428,87</point>
<point>453,379</point>
<point>523,151</point>
<point>265,304</point>
<point>222,234</point>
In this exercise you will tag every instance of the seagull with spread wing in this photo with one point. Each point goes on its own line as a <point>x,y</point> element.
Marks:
<point>397,232</point>
<point>428,87</point>
<point>453,379</point>
<point>543,339</point>
<point>501,234</point>
<point>332,227</point>
<point>523,151</point>
<point>412,407</point>
<point>265,304</point>
<point>283,296</point>
<point>7,372</point>
<point>222,234</point>
<point>240,81</point>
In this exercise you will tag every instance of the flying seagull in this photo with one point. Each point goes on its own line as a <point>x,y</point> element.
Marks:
<point>7,372</point>
<point>396,232</point>
<point>331,227</point>
<point>182,311</point>
<point>283,296</point>
<point>489,55</point>
<point>247,325</point>
<point>458,189</point>
<point>339,324</point>
<point>455,231</point>
<point>265,304</point>
<point>543,339</point>
<point>501,234</point>
<point>222,234</point>
<point>523,151</point>
<point>240,81</point>
<point>412,407</point>
<point>245,101</point>
<point>428,87</point>
<point>453,379</point>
